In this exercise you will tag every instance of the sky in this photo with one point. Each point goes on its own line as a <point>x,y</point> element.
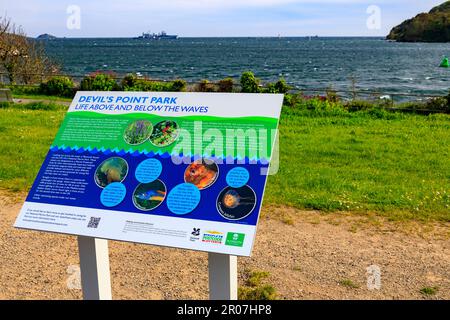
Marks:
<point>210,18</point>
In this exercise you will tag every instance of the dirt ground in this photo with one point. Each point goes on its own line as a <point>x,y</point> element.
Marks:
<point>309,255</point>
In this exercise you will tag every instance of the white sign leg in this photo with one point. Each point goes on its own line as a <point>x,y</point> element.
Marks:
<point>222,276</point>
<point>94,267</point>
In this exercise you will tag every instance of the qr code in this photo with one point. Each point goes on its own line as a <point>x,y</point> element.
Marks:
<point>93,223</point>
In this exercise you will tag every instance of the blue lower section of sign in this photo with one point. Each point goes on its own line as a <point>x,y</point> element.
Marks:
<point>109,182</point>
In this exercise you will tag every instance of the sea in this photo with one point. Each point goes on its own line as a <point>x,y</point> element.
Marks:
<point>306,63</point>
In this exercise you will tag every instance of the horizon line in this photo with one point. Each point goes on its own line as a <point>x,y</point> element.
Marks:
<point>212,37</point>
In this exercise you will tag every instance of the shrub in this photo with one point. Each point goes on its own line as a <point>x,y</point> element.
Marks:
<point>380,113</point>
<point>226,85</point>
<point>178,85</point>
<point>25,90</point>
<point>292,99</point>
<point>205,86</point>
<point>356,105</point>
<point>99,82</point>
<point>441,104</point>
<point>349,284</point>
<point>278,87</point>
<point>132,83</point>
<point>5,104</point>
<point>249,83</point>
<point>429,291</point>
<point>332,95</point>
<point>128,81</point>
<point>60,86</point>
<point>270,88</point>
<point>281,86</point>
<point>255,289</point>
<point>266,292</point>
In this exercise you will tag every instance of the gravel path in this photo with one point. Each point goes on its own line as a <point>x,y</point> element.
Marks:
<point>309,256</point>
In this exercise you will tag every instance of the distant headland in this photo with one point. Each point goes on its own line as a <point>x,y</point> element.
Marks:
<point>46,36</point>
<point>425,27</point>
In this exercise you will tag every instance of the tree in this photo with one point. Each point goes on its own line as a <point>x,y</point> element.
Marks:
<point>21,58</point>
<point>249,83</point>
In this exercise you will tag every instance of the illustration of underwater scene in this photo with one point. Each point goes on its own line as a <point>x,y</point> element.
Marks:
<point>148,196</point>
<point>114,169</point>
<point>202,173</point>
<point>236,203</point>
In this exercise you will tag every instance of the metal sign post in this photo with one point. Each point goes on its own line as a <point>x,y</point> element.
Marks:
<point>96,281</point>
<point>222,276</point>
<point>94,267</point>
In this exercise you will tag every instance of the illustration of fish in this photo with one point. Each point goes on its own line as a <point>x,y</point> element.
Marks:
<point>200,174</point>
<point>156,195</point>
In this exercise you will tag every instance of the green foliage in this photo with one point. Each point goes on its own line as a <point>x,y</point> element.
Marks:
<point>429,291</point>
<point>426,27</point>
<point>39,105</point>
<point>332,95</point>
<point>292,99</point>
<point>278,87</point>
<point>249,83</point>
<point>18,90</point>
<point>58,86</point>
<point>357,105</point>
<point>226,85</point>
<point>281,86</point>
<point>441,104</point>
<point>99,82</point>
<point>132,83</point>
<point>319,106</point>
<point>129,81</point>
<point>256,277</point>
<point>265,292</point>
<point>5,104</point>
<point>349,284</point>
<point>255,287</point>
<point>178,85</point>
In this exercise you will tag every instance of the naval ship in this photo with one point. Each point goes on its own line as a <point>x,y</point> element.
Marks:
<point>157,36</point>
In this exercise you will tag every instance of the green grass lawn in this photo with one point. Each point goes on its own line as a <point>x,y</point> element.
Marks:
<point>396,165</point>
<point>26,137</point>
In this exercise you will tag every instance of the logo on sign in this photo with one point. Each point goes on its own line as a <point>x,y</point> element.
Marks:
<point>235,239</point>
<point>195,234</point>
<point>214,237</point>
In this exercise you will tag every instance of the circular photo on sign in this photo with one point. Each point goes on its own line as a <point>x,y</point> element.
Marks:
<point>202,173</point>
<point>164,133</point>
<point>148,196</point>
<point>111,170</point>
<point>236,203</point>
<point>138,132</point>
